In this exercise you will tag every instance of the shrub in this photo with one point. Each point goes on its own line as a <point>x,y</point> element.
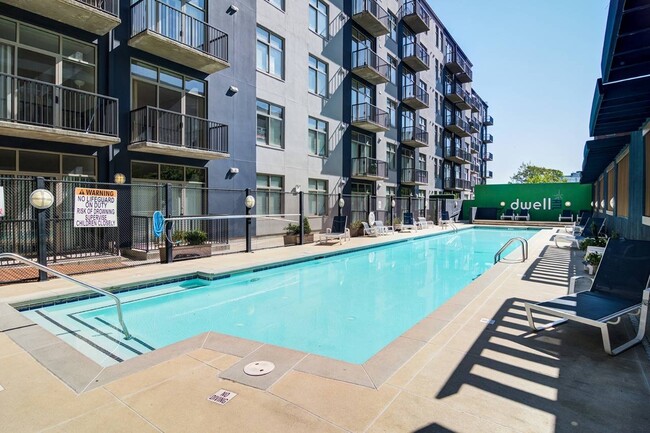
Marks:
<point>397,220</point>
<point>178,237</point>
<point>294,229</point>
<point>356,225</point>
<point>592,242</point>
<point>196,237</point>
<point>593,259</point>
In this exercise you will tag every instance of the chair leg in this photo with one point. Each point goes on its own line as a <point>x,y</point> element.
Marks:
<point>643,323</point>
<point>531,321</point>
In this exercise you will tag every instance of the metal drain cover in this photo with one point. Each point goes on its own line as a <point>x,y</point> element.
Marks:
<point>259,368</point>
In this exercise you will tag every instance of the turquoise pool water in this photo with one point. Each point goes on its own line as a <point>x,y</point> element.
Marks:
<point>348,306</point>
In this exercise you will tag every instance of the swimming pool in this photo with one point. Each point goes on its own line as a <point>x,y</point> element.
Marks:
<point>346,306</point>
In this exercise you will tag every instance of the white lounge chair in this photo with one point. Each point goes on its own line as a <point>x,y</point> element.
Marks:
<point>384,230</point>
<point>574,240</point>
<point>338,232</point>
<point>424,224</point>
<point>369,231</point>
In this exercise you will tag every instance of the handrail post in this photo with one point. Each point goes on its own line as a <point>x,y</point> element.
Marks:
<point>169,245</point>
<point>248,225</point>
<point>41,233</point>
<point>301,196</point>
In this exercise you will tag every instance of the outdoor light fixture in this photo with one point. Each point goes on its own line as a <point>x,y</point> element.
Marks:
<point>233,170</point>
<point>602,204</point>
<point>119,178</point>
<point>567,203</point>
<point>392,203</point>
<point>296,189</point>
<point>341,202</point>
<point>592,204</point>
<point>233,89</point>
<point>502,204</point>
<point>249,202</point>
<point>612,202</point>
<point>41,199</point>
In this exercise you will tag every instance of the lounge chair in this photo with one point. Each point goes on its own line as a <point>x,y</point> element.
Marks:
<point>423,223</point>
<point>445,221</point>
<point>621,286</point>
<point>509,214</point>
<point>384,230</point>
<point>579,223</point>
<point>574,240</point>
<point>565,216</point>
<point>523,215</point>
<point>338,232</point>
<point>408,223</point>
<point>369,231</point>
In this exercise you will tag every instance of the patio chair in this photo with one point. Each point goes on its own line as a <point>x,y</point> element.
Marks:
<point>424,223</point>
<point>565,216</point>
<point>369,231</point>
<point>384,230</point>
<point>621,286</point>
<point>509,214</point>
<point>579,223</point>
<point>574,240</point>
<point>446,221</point>
<point>338,232</point>
<point>408,223</point>
<point>523,215</point>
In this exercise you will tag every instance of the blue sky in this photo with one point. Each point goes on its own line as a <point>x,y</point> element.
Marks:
<point>536,63</point>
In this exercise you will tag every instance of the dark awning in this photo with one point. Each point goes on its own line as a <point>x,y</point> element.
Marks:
<point>620,107</point>
<point>598,154</point>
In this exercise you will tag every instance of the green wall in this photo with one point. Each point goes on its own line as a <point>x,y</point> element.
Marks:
<point>544,200</point>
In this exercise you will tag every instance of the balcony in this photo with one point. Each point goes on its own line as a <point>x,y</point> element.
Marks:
<point>459,66</point>
<point>488,138</point>
<point>415,16</point>
<point>475,168</point>
<point>415,97</point>
<point>474,126</point>
<point>455,93</point>
<point>367,116</point>
<point>43,111</point>
<point>474,104</point>
<point>488,156</point>
<point>414,176</point>
<point>416,57</point>
<point>172,34</point>
<point>369,169</point>
<point>489,121</point>
<point>94,16</point>
<point>475,145</point>
<point>457,184</point>
<point>489,175</point>
<point>371,16</point>
<point>458,126</point>
<point>457,155</point>
<point>415,137</point>
<point>169,133</point>
<point>369,66</point>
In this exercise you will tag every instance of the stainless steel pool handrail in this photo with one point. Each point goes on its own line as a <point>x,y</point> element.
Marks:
<point>524,249</point>
<point>118,303</point>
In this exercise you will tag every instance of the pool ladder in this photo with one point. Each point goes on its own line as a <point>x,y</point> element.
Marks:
<point>524,249</point>
<point>51,271</point>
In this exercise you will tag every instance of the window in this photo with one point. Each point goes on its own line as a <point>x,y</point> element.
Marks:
<point>318,17</point>
<point>277,3</point>
<point>317,197</point>
<point>317,137</point>
<point>391,156</point>
<point>269,194</point>
<point>317,76</point>
<point>392,25</point>
<point>422,122</point>
<point>391,191</point>
<point>391,107</point>
<point>623,187</point>
<point>437,71</point>
<point>270,124</point>
<point>392,69</point>
<point>437,37</point>
<point>270,53</point>
<point>422,162</point>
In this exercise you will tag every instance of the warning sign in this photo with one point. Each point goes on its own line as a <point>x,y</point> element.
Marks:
<point>95,207</point>
<point>222,396</point>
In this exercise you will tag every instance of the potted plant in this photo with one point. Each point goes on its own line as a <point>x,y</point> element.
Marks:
<point>187,245</point>
<point>593,260</point>
<point>397,223</point>
<point>356,229</point>
<point>292,233</point>
<point>592,242</point>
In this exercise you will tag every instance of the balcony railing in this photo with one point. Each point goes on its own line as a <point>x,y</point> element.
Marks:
<point>109,6</point>
<point>414,136</point>
<point>458,126</point>
<point>457,184</point>
<point>415,15</point>
<point>369,168</point>
<point>416,56</point>
<point>474,103</point>
<point>455,92</point>
<point>415,176</point>
<point>38,103</point>
<point>415,96</point>
<point>475,145</point>
<point>489,120</point>
<point>458,155</point>
<point>488,156</point>
<point>489,175</point>
<point>368,65</point>
<point>371,16</point>
<point>180,131</point>
<point>174,24</point>
<point>370,117</point>
<point>488,138</point>
<point>459,66</point>
<point>473,125</point>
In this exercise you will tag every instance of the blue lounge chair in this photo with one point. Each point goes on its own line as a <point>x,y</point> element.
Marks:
<point>579,223</point>
<point>523,215</point>
<point>587,232</point>
<point>338,232</point>
<point>408,223</point>
<point>621,286</point>
<point>565,216</point>
<point>509,214</point>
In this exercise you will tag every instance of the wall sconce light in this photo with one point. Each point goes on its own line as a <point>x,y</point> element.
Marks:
<point>567,203</point>
<point>296,189</point>
<point>119,178</point>
<point>502,204</point>
<point>233,170</point>
<point>612,202</point>
<point>602,204</point>
<point>233,89</point>
<point>232,9</point>
<point>249,202</point>
<point>341,202</point>
<point>41,199</point>
<point>592,204</point>
<point>392,203</point>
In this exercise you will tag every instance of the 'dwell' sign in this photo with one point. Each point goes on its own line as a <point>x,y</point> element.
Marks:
<point>95,207</point>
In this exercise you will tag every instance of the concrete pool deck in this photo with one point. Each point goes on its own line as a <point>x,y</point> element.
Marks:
<point>455,373</point>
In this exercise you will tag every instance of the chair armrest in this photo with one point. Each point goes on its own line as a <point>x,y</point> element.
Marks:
<point>572,283</point>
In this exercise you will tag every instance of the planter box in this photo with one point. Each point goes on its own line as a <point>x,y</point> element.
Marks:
<point>295,239</point>
<point>185,252</point>
<point>356,233</point>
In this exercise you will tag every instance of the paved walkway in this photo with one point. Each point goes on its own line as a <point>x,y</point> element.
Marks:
<point>470,376</point>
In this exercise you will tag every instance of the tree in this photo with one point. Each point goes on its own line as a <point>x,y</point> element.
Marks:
<point>529,173</point>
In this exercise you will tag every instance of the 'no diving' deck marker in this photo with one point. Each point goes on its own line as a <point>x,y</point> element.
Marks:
<point>222,396</point>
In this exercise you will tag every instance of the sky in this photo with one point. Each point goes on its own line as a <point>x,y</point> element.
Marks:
<point>536,63</point>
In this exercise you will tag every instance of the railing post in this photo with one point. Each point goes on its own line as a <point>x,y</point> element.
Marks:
<point>41,234</point>
<point>390,203</point>
<point>368,205</point>
<point>169,245</point>
<point>301,196</point>
<point>338,200</point>
<point>248,225</point>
